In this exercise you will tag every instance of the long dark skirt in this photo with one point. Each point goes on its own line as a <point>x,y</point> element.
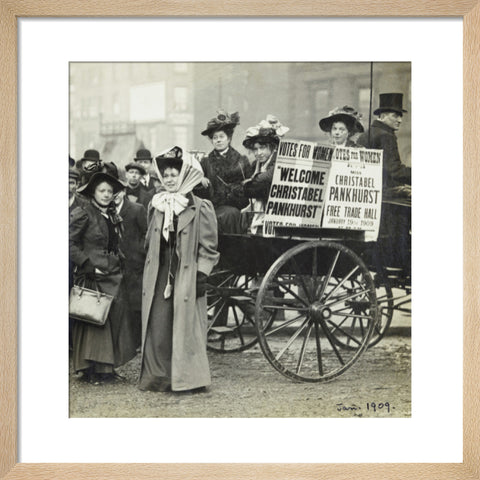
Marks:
<point>100,349</point>
<point>156,370</point>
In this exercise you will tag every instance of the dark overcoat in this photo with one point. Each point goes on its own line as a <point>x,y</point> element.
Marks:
<point>226,174</point>
<point>382,137</point>
<point>114,343</point>
<point>196,248</point>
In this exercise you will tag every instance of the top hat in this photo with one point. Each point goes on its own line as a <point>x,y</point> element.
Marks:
<point>89,188</point>
<point>136,166</point>
<point>221,122</point>
<point>143,154</point>
<point>348,115</point>
<point>92,155</point>
<point>390,102</point>
<point>171,157</point>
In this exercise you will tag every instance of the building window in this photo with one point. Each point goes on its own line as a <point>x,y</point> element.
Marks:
<point>180,99</point>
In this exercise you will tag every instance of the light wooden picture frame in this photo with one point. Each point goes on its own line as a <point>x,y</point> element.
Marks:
<point>11,11</point>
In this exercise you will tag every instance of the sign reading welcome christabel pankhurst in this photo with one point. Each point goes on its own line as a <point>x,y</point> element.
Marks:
<point>325,186</point>
<point>297,194</point>
<point>353,199</point>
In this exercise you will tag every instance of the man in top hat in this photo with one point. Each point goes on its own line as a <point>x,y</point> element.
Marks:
<point>382,136</point>
<point>149,181</point>
<point>396,221</point>
<point>135,191</point>
<point>91,163</point>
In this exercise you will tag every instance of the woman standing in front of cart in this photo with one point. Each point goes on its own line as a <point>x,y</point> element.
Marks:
<point>262,140</point>
<point>181,246</point>
<point>225,169</point>
<point>95,228</point>
<point>341,124</point>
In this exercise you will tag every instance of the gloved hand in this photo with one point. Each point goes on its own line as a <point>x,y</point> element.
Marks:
<point>201,284</point>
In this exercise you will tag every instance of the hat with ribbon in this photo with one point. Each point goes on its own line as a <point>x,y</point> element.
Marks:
<point>222,121</point>
<point>269,130</point>
<point>89,188</point>
<point>91,155</point>
<point>143,154</point>
<point>136,166</point>
<point>390,102</point>
<point>347,115</point>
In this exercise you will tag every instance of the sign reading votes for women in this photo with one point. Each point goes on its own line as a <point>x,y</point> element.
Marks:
<point>324,186</point>
<point>354,192</point>
<point>299,185</point>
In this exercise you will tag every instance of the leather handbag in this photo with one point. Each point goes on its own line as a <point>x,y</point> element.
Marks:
<point>90,306</point>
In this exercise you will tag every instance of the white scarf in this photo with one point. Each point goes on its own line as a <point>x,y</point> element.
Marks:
<point>170,204</point>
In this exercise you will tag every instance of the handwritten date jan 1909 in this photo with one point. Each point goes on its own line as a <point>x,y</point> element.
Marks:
<point>370,407</point>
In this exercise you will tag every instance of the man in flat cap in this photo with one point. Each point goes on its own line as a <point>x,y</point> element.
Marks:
<point>136,192</point>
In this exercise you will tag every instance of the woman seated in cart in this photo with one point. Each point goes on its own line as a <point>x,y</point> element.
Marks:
<point>225,169</point>
<point>342,123</point>
<point>263,141</point>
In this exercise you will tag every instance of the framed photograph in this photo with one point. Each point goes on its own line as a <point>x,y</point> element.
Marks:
<point>116,61</point>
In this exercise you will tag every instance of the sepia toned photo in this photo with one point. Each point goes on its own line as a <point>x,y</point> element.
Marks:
<point>240,240</point>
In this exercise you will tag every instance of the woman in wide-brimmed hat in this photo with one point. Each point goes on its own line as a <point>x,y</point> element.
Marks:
<point>342,123</point>
<point>95,229</point>
<point>181,252</point>
<point>225,169</point>
<point>262,140</point>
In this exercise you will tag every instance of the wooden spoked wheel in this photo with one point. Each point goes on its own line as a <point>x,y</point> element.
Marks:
<point>323,297</point>
<point>231,309</point>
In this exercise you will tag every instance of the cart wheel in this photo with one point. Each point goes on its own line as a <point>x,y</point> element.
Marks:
<point>322,286</point>
<point>231,308</point>
<point>385,313</point>
<point>361,306</point>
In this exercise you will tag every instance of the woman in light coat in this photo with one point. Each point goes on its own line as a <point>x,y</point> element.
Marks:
<point>181,246</point>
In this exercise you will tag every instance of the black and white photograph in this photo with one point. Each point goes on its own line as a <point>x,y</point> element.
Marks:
<point>240,240</point>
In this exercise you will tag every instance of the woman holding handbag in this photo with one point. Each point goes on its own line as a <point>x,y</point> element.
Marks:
<point>181,245</point>
<point>95,229</point>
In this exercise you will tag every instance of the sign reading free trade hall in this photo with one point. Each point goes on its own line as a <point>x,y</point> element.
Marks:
<point>333,187</point>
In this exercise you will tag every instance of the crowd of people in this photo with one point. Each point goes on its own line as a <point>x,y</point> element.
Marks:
<point>151,241</point>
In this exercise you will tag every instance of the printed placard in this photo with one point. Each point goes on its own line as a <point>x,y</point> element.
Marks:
<point>354,191</point>
<point>298,190</point>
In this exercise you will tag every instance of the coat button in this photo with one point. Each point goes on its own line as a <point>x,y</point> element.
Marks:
<point>143,293</point>
<point>185,299</point>
<point>185,266</point>
<point>156,229</point>
<point>185,232</point>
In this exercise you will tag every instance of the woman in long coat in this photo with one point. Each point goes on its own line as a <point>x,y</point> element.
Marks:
<point>94,234</point>
<point>181,246</point>
<point>225,169</point>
